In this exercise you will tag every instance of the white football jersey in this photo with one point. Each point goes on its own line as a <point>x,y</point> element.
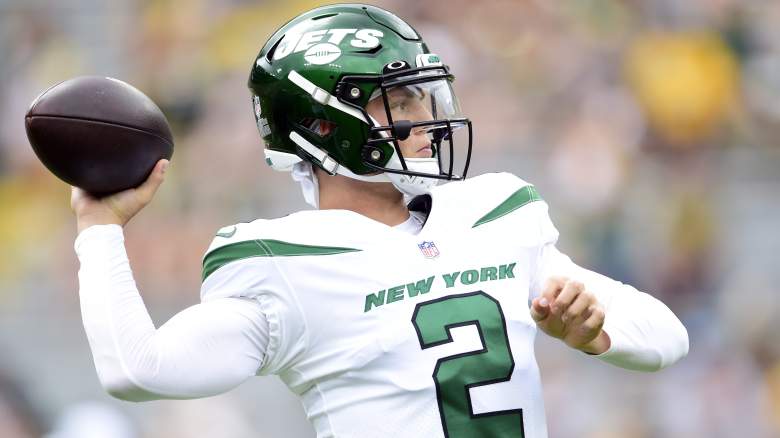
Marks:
<point>383,333</point>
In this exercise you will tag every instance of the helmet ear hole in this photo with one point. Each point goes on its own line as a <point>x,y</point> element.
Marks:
<point>321,128</point>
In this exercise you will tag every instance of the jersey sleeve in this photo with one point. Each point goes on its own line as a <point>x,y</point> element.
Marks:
<point>204,350</point>
<point>645,335</point>
<point>238,265</point>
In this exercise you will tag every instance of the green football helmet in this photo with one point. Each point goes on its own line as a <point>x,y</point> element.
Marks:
<point>315,77</point>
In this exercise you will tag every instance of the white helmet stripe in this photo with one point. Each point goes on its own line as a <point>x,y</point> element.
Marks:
<point>323,96</point>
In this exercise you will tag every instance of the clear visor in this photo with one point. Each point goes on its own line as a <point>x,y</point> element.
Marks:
<point>424,121</point>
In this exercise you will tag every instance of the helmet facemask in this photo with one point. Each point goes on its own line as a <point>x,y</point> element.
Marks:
<point>419,135</point>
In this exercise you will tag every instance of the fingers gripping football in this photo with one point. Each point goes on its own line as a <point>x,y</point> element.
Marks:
<point>567,311</point>
<point>118,208</point>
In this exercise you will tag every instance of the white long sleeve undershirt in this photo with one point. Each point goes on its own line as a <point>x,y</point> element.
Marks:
<point>204,350</point>
<point>644,333</point>
<point>214,346</point>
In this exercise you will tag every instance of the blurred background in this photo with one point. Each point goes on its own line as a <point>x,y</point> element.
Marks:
<point>651,128</point>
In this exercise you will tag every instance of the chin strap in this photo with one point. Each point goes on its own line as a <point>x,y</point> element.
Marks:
<point>329,164</point>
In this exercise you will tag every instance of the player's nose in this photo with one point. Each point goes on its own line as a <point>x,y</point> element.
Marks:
<point>421,144</point>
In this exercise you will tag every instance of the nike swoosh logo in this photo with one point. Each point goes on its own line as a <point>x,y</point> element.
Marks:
<point>228,234</point>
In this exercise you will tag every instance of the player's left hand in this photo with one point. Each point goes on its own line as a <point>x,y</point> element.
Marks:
<point>565,310</point>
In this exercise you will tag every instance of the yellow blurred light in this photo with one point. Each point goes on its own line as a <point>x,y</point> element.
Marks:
<point>686,83</point>
<point>238,37</point>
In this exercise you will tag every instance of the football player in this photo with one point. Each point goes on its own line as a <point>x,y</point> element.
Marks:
<point>398,307</point>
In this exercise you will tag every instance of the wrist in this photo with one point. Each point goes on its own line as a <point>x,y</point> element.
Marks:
<point>599,345</point>
<point>85,221</point>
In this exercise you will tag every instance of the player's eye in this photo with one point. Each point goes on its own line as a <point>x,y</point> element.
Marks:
<point>400,105</point>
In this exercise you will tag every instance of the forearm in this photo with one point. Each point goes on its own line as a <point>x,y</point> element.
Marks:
<point>644,334</point>
<point>202,351</point>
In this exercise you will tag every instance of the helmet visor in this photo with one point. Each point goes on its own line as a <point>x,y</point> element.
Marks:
<point>419,115</point>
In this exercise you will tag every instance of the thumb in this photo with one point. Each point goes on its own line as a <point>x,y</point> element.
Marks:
<point>152,183</point>
<point>540,308</point>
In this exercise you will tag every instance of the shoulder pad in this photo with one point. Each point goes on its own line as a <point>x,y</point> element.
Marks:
<point>488,197</point>
<point>264,238</point>
<point>513,193</point>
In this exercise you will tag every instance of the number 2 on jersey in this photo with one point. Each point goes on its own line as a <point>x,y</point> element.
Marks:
<point>455,375</point>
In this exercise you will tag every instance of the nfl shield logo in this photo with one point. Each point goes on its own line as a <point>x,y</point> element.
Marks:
<point>428,249</point>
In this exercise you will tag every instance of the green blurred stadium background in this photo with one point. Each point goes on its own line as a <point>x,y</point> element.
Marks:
<point>651,127</point>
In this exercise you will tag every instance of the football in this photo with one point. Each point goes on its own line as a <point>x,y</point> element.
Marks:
<point>97,133</point>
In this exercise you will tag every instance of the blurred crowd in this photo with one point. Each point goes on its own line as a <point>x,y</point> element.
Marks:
<point>650,127</point>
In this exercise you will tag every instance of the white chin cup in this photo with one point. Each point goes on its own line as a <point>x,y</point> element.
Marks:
<point>414,185</point>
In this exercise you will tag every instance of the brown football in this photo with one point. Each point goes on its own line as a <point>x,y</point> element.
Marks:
<point>98,133</point>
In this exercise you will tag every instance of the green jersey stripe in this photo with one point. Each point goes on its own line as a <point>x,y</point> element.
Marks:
<point>518,199</point>
<point>263,248</point>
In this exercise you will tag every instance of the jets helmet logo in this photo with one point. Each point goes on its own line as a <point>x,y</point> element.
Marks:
<point>322,54</point>
<point>324,46</point>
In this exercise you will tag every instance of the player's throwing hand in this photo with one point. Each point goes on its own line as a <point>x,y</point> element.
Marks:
<point>117,208</point>
<point>565,310</point>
